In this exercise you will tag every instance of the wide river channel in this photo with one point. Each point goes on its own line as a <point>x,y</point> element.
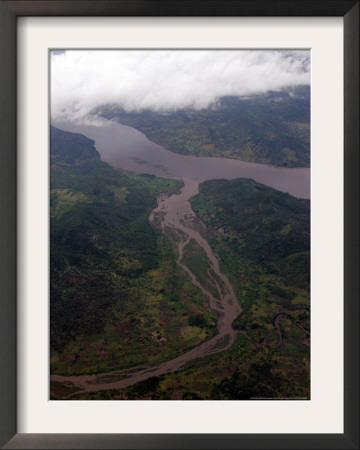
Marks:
<point>126,148</point>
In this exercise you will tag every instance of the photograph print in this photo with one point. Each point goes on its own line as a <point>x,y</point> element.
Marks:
<point>180,224</point>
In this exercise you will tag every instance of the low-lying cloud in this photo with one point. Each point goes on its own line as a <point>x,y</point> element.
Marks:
<point>166,80</point>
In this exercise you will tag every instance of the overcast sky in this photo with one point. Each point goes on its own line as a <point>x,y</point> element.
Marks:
<point>166,80</point>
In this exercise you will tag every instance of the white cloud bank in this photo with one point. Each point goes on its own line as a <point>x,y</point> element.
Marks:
<point>167,80</point>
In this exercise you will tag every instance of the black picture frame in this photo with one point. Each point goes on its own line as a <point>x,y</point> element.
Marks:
<point>9,11</point>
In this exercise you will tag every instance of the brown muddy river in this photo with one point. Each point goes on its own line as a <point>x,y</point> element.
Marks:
<point>126,148</point>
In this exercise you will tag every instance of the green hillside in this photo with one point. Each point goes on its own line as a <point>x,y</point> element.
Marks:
<point>272,128</point>
<point>262,237</point>
<point>70,148</point>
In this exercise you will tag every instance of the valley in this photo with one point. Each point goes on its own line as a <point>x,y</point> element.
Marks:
<point>145,291</point>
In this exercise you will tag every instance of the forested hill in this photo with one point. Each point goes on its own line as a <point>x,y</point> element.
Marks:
<point>272,128</point>
<point>69,148</point>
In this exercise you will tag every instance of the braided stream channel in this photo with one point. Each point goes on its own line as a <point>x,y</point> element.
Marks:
<point>176,217</point>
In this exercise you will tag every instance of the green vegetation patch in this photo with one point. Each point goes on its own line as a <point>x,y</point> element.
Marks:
<point>194,257</point>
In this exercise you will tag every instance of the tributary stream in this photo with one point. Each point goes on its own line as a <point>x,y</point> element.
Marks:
<point>129,149</point>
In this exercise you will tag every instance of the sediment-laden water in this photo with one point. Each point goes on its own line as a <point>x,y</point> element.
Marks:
<point>126,148</point>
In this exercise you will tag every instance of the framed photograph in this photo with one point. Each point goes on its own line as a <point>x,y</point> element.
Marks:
<point>180,242</point>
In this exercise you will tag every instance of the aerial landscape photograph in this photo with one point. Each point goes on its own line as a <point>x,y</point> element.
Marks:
<point>180,224</point>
